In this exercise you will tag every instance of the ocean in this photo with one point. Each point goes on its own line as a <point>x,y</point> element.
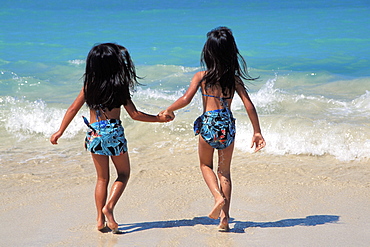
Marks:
<point>312,59</point>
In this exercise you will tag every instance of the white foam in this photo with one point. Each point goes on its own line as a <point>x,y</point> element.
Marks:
<point>289,136</point>
<point>23,118</point>
<point>76,61</point>
<point>154,94</point>
<point>293,121</point>
<point>308,124</point>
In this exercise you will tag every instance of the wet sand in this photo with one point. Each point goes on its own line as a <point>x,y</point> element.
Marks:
<point>276,201</point>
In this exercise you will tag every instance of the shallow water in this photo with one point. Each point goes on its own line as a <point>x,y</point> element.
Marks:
<point>312,97</point>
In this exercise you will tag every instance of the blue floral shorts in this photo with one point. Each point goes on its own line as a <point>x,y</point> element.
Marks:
<point>216,127</point>
<point>106,137</point>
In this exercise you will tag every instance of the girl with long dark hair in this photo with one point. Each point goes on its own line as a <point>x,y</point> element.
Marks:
<point>109,79</point>
<point>225,70</point>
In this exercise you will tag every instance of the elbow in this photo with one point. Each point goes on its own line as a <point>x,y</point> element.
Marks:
<point>73,110</point>
<point>186,100</point>
<point>135,115</point>
<point>251,108</point>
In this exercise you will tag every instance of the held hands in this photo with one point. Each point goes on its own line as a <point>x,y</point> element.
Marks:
<point>167,116</point>
<point>259,141</point>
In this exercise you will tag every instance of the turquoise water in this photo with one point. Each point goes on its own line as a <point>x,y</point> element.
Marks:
<point>293,35</point>
<point>312,58</point>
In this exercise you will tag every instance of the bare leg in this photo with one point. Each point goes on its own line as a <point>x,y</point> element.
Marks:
<point>223,172</point>
<point>206,166</point>
<point>122,165</point>
<point>101,163</point>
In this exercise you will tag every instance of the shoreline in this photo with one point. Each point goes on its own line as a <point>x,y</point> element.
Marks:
<point>310,203</point>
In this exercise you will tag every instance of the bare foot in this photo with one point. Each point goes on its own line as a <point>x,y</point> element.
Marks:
<point>215,213</point>
<point>111,223</point>
<point>100,225</point>
<point>224,225</point>
<point>223,228</point>
<point>103,228</point>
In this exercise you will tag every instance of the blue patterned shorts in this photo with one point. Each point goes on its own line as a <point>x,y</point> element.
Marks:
<point>216,127</point>
<point>107,139</point>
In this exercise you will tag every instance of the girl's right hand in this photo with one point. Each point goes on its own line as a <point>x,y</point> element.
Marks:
<point>54,138</point>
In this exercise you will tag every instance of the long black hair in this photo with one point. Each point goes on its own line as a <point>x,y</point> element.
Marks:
<point>223,62</point>
<point>109,77</point>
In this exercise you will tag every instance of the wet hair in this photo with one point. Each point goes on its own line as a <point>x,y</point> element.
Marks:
<point>109,77</point>
<point>224,64</point>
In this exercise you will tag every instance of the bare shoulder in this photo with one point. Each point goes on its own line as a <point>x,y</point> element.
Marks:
<point>242,91</point>
<point>199,75</point>
<point>197,78</point>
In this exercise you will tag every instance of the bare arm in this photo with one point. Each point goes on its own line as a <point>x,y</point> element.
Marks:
<point>144,117</point>
<point>187,97</point>
<point>68,117</point>
<point>257,138</point>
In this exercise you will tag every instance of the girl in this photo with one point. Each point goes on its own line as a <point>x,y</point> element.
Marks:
<point>225,69</point>
<point>109,77</point>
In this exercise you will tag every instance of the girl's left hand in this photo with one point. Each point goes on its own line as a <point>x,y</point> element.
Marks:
<point>169,115</point>
<point>259,141</point>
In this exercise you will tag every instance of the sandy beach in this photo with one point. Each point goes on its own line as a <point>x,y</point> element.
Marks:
<point>276,201</point>
<point>310,185</point>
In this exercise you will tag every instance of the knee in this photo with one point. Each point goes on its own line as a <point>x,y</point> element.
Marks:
<point>206,166</point>
<point>223,173</point>
<point>103,181</point>
<point>123,177</point>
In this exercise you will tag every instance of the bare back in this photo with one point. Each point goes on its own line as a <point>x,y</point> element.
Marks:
<point>115,113</point>
<point>212,103</point>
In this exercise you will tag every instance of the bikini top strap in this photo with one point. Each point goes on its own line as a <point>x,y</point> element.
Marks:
<point>222,99</point>
<point>210,95</point>
<point>105,115</point>
<point>98,115</point>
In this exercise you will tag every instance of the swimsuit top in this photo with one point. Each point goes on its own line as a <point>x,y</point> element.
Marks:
<point>98,114</point>
<point>222,99</point>
<point>98,117</point>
